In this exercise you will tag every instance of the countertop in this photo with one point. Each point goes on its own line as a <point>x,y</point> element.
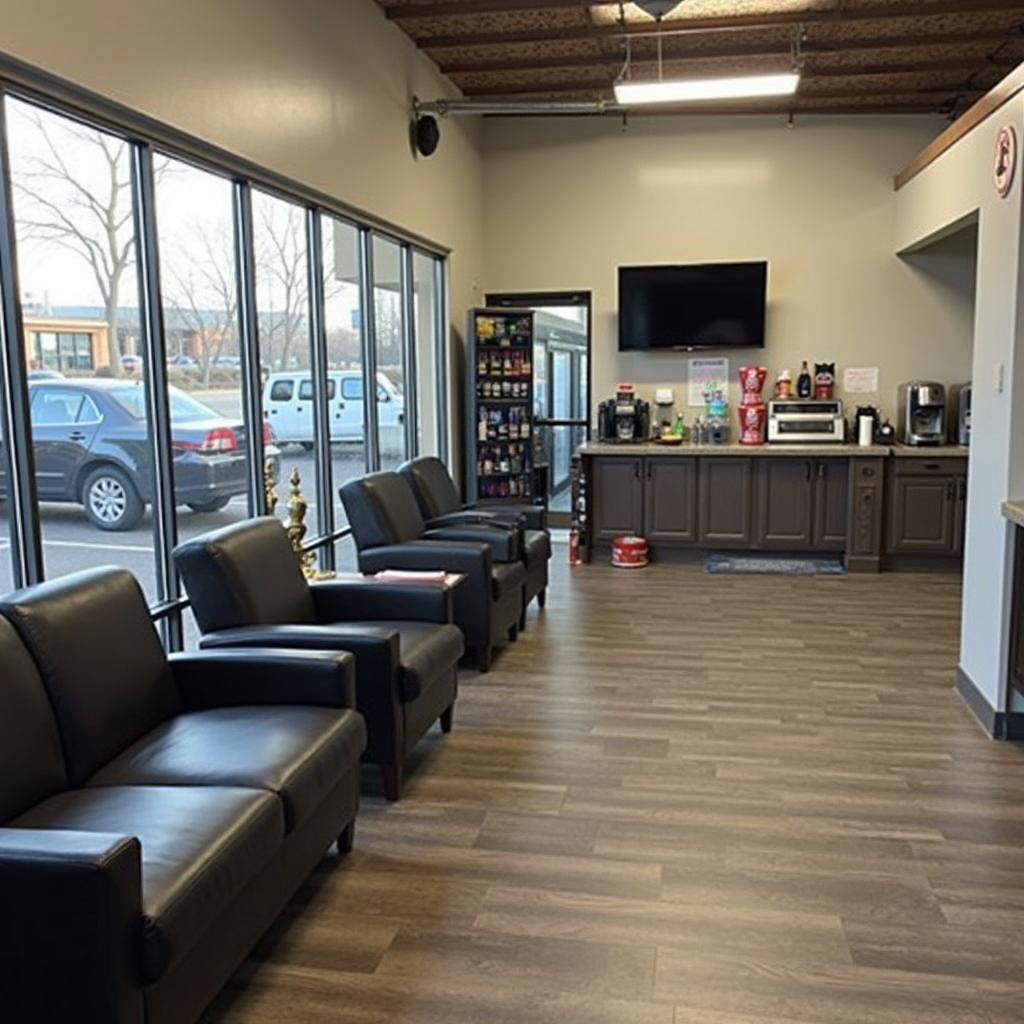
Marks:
<point>1014,511</point>
<point>822,451</point>
<point>935,451</point>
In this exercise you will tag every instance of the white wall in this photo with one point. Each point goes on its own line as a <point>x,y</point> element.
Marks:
<point>567,201</point>
<point>956,187</point>
<point>317,90</point>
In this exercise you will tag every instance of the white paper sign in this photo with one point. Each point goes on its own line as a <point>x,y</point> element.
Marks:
<point>860,379</point>
<point>704,372</point>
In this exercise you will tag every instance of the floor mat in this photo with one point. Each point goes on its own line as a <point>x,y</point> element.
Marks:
<point>774,564</point>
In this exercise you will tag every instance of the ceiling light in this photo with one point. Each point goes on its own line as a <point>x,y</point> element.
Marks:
<point>695,89</point>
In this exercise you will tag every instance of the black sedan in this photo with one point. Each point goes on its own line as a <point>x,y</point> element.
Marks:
<point>91,446</point>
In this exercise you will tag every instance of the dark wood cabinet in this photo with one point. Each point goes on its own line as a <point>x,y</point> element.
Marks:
<point>785,503</point>
<point>926,506</point>
<point>1017,614</point>
<point>617,497</point>
<point>831,504</point>
<point>670,500</point>
<point>725,501</point>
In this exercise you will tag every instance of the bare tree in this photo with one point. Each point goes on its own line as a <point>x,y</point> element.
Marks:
<point>201,291</point>
<point>282,276</point>
<point>55,202</point>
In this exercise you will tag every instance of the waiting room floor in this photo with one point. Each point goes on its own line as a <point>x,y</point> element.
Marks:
<point>682,799</point>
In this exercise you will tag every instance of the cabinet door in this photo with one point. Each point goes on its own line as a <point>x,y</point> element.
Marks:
<point>784,506</point>
<point>959,515</point>
<point>921,513</point>
<point>726,501</point>
<point>670,499</point>
<point>618,498</point>
<point>831,503</point>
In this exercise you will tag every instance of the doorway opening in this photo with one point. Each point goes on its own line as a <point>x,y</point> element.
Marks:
<point>561,384</point>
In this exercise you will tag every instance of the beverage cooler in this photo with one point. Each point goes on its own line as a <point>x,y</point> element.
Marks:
<point>499,443</point>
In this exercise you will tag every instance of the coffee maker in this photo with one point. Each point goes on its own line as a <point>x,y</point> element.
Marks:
<point>624,417</point>
<point>921,413</point>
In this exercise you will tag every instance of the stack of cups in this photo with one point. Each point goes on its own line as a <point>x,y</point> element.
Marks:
<point>752,409</point>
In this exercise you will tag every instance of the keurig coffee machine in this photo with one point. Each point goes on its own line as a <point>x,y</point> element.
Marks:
<point>960,432</point>
<point>921,413</point>
<point>624,417</point>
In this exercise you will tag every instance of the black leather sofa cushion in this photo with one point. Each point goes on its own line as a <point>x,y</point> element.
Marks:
<point>244,576</point>
<point>200,846</point>
<point>536,548</point>
<point>389,514</point>
<point>31,762</point>
<point>427,652</point>
<point>506,576</point>
<point>436,493</point>
<point>296,752</point>
<point>101,662</point>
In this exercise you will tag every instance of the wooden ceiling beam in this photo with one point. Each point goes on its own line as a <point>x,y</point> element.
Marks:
<point>808,79</point>
<point>810,50</point>
<point>951,66</point>
<point>723,23</point>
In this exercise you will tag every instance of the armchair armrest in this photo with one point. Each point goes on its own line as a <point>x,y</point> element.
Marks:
<point>495,519</point>
<point>535,517</point>
<point>213,679</point>
<point>503,541</point>
<point>70,945</point>
<point>340,601</point>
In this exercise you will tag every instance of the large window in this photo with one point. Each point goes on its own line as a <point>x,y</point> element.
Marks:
<point>389,348</point>
<point>90,434</point>
<point>427,306</point>
<point>153,416</point>
<point>343,325</point>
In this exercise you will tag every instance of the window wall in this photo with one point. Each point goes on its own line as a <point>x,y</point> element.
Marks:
<point>179,338</point>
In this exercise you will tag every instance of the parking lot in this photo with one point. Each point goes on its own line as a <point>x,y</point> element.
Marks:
<point>71,542</point>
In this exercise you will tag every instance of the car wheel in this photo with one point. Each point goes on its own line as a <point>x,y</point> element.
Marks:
<point>209,506</point>
<point>306,446</point>
<point>110,499</point>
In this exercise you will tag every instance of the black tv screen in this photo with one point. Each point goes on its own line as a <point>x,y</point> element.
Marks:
<point>707,305</point>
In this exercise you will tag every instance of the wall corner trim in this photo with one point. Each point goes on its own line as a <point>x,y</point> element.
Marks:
<point>998,725</point>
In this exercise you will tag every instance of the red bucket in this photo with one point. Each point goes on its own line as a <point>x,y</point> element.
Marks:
<point>629,552</point>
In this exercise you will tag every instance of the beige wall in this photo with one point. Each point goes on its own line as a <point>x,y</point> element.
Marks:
<point>955,189</point>
<point>567,201</point>
<point>317,90</point>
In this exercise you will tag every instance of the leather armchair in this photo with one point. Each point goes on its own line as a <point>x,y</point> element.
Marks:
<point>247,590</point>
<point>155,814</point>
<point>441,504</point>
<point>390,533</point>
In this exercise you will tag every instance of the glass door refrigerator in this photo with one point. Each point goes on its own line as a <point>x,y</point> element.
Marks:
<point>499,444</point>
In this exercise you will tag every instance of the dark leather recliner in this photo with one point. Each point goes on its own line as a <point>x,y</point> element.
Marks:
<point>390,533</point>
<point>441,504</point>
<point>155,814</point>
<point>247,590</point>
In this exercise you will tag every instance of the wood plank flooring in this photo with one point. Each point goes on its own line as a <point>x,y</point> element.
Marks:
<point>682,799</point>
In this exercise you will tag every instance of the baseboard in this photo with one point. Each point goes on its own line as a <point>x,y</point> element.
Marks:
<point>999,725</point>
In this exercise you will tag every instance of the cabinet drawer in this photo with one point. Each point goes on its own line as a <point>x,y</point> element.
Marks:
<point>922,466</point>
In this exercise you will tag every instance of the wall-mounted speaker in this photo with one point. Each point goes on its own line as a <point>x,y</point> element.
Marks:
<point>426,135</point>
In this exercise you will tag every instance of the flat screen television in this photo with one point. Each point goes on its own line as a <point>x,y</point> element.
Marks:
<point>697,306</point>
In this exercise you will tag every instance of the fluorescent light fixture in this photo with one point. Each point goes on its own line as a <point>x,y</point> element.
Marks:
<point>695,89</point>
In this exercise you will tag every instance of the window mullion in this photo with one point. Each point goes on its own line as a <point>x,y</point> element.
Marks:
<point>23,507</point>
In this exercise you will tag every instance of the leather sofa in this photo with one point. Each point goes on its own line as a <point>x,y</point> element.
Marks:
<point>247,590</point>
<point>156,813</point>
<point>390,533</point>
<point>441,505</point>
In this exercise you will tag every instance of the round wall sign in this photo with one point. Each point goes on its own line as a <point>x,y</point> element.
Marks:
<point>1005,160</point>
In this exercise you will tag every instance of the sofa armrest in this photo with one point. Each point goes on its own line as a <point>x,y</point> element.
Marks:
<point>214,679</point>
<point>495,519</point>
<point>340,601</point>
<point>70,945</point>
<point>500,538</point>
